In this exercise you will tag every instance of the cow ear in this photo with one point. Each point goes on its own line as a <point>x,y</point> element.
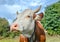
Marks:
<point>38,17</point>
<point>41,15</point>
<point>34,15</point>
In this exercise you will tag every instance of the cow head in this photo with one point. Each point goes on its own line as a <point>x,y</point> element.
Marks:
<point>25,20</point>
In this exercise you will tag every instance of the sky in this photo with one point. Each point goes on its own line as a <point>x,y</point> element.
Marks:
<point>8,8</point>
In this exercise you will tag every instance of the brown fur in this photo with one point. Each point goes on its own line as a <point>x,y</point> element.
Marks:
<point>23,39</point>
<point>39,33</point>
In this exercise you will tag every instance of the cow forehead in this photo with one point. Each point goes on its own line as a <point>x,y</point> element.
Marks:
<point>26,12</point>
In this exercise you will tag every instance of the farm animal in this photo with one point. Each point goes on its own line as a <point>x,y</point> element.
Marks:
<point>28,23</point>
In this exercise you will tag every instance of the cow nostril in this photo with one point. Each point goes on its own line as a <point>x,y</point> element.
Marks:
<point>15,25</point>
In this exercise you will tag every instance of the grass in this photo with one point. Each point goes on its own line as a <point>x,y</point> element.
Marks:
<point>48,39</point>
<point>9,40</point>
<point>52,38</point>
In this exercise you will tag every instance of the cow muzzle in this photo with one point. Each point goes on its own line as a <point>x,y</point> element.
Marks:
<point>14,27</point>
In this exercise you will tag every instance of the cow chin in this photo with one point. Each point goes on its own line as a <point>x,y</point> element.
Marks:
<point>14,30</point>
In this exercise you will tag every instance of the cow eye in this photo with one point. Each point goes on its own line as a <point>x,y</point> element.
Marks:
<point>28,16</point>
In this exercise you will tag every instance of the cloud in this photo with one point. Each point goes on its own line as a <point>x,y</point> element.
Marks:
<point>9,11</point>
<point>34,4</point>
<point>13,8</point>
<point>9,2</point>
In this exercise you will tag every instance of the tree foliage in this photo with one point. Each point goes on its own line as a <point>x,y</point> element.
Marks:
<point>51,20</point>
<point>5,30</point>
<point>3,27</point>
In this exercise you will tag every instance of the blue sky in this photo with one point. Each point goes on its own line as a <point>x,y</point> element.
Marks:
<point>8,8</point>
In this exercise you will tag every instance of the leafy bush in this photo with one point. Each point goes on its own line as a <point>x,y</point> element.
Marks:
<point>14,34</point>
<point>4,29</point>
<point>51,20</point>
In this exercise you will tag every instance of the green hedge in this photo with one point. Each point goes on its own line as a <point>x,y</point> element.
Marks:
<point>51,20</point>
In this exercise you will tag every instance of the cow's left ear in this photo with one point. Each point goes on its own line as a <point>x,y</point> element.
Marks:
<point>41,15</point>
<point>38,17</point>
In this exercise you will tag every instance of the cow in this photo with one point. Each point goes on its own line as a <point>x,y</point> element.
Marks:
<point>28,23</point>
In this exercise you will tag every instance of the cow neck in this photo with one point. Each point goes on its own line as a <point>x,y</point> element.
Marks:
<point>33,34</point>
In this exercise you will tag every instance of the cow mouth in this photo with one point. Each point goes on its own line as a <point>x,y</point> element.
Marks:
<point>14,30</point>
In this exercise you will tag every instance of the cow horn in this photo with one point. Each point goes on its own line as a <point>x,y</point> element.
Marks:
<point>17,12</point>
<point>35,11</point>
